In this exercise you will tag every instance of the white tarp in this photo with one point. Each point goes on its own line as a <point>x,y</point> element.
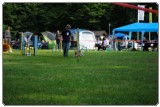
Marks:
<point>87,39</point>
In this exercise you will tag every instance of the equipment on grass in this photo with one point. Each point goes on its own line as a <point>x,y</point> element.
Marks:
<point>78,51</point>
<point>29,44</point>
<point>7,48</point>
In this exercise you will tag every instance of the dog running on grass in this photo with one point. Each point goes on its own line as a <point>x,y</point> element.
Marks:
<point>76,53</point>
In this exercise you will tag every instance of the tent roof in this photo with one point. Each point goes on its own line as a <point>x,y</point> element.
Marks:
<point>28,33</point>
<point>73,31</point>
<point>49,35</point>
<point>98,33</point>
<point>119,35</point>
<point>139,27</point>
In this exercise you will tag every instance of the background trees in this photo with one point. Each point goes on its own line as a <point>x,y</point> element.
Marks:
<point>37,17</point>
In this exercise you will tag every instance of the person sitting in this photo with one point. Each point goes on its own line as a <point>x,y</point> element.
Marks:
<point>123,45</point>
<point>44,45</point>
<point>99,44</point>
<point>125,42</point>
<point>39,44</point>
<point>105,43</point>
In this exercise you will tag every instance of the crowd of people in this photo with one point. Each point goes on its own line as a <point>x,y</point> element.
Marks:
<point>104,42</point>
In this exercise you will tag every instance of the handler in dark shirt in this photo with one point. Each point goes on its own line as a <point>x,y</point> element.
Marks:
<point>66,36</point>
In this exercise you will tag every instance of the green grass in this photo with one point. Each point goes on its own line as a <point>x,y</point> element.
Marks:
<point>99,78</point>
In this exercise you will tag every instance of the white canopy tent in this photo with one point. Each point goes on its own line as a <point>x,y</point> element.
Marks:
<point>86,38</point>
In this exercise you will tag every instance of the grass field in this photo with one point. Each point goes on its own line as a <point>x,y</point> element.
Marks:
<point>99,78</point>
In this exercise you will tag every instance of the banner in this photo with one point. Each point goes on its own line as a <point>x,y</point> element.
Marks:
<point>141,13</point>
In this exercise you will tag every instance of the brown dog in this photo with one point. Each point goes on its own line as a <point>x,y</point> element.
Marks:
<point>76,53</point>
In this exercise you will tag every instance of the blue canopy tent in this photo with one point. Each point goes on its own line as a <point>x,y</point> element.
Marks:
<point>137,27</point>
<point>119,35</point>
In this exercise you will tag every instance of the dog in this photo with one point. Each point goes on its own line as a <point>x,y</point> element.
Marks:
<point>78,53</point>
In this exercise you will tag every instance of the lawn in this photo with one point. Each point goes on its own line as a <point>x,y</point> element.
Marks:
<point>99,78</point>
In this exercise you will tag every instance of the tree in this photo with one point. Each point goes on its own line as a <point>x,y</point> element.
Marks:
<point>38,17</point>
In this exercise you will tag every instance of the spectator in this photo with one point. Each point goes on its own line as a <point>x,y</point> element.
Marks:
<point>99,43</point>
<point>44,45</point>
<point>145,44</point>
<point>66,36</point>
<point>39,43</point>
<point>105,43</point>
<point>8,35</point>
<point>125,41</point>
<point>17,40</point>
<point>105,35</point>
<point>58,37</point>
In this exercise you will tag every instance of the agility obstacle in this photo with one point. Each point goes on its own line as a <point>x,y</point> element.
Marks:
<point>28,47</point>
<point>7,48</point>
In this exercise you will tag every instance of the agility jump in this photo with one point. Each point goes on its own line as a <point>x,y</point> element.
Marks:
<point>27,46</point>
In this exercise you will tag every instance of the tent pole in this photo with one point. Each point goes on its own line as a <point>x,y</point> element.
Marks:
<point>113,33</point>
<point>138,32</point>
<point>149,36</point>
<point>137,35</point>
<point>130,35</point>
<point>142,38</point>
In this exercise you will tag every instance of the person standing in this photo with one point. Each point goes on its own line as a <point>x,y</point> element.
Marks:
<point>58,39</point>
<point>8,35</point>
<point>66,36</point>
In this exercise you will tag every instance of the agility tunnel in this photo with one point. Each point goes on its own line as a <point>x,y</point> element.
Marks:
<point>7,48</point>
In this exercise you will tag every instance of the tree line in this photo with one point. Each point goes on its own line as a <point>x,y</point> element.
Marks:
<point>38,17</point>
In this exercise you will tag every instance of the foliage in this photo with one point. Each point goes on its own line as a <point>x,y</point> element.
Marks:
<point>38,17</point>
